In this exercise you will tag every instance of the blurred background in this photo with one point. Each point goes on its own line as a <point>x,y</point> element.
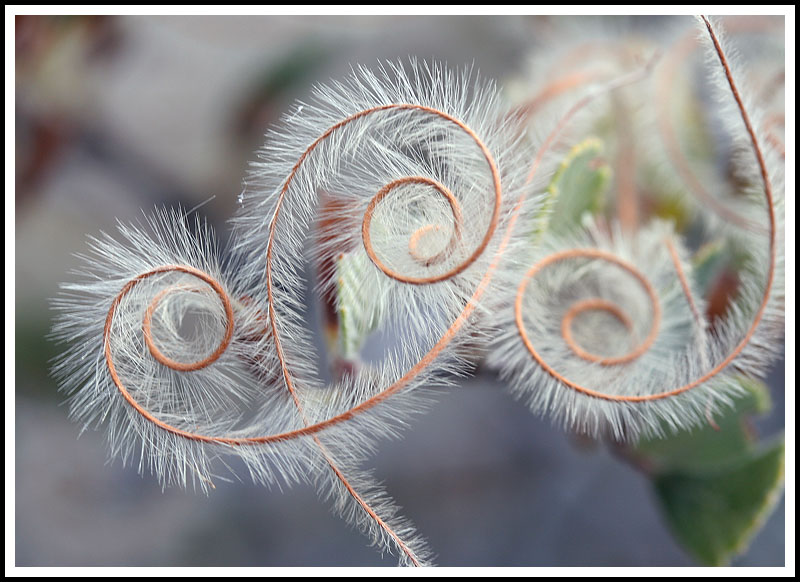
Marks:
<point>119,114</point>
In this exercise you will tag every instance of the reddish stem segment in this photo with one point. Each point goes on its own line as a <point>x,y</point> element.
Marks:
<point>601,304</point>
<point>455,208</point>
<point>594,304</point>
<point>684,281</point>
<point>184,366</point>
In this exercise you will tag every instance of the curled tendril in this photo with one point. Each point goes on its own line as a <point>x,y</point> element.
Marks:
<point>253,330</point>
<point>147,324</point>
<point>434,234</point>
<point>421,232</point>
<point>226,301</point>
<point>593,304</point>
<point>468,307</point>
<point>151,344</point>
<point>618,380</point>
<point>452,247</point>
<point>665,90</point>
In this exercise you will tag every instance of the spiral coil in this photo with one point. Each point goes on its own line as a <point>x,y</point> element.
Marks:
<point>428,187</point>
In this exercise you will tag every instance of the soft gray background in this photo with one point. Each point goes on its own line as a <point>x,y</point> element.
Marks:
<point>167,110</point>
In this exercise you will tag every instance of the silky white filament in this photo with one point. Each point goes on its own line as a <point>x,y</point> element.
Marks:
<point>608,333</point>
<point>425,185</point>
<point>189,360</point>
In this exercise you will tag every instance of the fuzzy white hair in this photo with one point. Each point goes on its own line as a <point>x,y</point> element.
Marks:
<point>687,373</point>
<point>188,359</point>
<point>243,381</point>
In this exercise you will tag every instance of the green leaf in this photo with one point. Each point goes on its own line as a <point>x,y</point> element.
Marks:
<point>707,448</point>
<point>714,515</point>
<point>358,304</point>
<point>714,485</point>
<point>577,187</point>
